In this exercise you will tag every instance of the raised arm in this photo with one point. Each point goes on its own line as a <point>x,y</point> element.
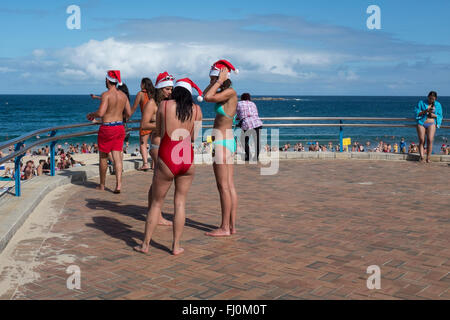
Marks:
<point>212,95</point>
<point>149,111</point>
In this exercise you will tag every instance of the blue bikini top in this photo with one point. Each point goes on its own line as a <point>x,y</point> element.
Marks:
<point>220,110</point>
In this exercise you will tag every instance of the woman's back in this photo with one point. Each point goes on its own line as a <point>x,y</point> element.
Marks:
<point>170,121</point>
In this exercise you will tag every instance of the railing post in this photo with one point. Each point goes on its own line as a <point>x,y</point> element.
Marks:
<point>52,154</point>
<point>341,136</point>
<point>17,175</point>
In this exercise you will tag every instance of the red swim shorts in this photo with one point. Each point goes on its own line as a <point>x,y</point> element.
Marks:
<point>110,138</point>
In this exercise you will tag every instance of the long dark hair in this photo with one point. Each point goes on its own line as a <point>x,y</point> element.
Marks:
<point>159,96</point>
<point>148,86</point>
<point>184,101</point>
<point>125,90</point>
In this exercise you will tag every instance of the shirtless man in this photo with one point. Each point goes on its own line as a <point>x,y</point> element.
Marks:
<point>112,131</point>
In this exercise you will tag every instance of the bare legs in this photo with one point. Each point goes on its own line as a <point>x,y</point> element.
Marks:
<point>223,172</point>
<point>162,221</point>
<point>421,134</point>
<point>117,157</point>
<point>162,182</point>
<point>430,132</point>
<point>118,167</point>
<point>430,139</point>
<point>103,160</point>
<point>154,151</point>
<point>182,185</point>
<point>144,151</point>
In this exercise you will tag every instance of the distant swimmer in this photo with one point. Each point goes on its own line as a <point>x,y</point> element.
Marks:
<point>111,133</point>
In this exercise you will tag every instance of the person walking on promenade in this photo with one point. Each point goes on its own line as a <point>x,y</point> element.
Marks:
<point>247,112</point>
<point>175,118</point>
<point>225,98</point>
<point>111,133</point>
<point>428,115</point>
<point>142,98</point>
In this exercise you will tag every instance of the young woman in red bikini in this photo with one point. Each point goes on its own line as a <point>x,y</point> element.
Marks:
<point>175,118</point>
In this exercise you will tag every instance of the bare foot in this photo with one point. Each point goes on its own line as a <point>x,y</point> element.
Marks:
<point>144,168</point>
<point>100,187</point>
<point>177,252</point>
<point>142,248</point>
<point>218,233</point>
<point>165,222</point>
<point>428,160</point>
<point>233,231</point>
<point>421,160</point>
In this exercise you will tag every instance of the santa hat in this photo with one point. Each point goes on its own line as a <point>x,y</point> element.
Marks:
<point>164,80</point>
<point>114,76</point>
<point>216,67</point>
<point>189,84</point>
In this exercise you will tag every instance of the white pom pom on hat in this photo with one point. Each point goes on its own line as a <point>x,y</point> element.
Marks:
<point>189,84</point>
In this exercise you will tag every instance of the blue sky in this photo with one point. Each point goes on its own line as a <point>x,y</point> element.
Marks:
<point>281,47</point>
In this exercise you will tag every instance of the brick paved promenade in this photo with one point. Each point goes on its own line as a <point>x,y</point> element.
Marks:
<point>309,232</point>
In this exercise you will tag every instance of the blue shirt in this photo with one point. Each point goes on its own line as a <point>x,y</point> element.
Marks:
<point>423,105</point>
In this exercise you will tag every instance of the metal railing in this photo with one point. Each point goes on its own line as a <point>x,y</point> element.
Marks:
<point>20,151</point>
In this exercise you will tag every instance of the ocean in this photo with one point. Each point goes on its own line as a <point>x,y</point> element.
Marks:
<point>20,114</point>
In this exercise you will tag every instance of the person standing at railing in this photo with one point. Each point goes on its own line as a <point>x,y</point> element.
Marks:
<point>247,112</point>
<point>428,117</point>
<point>142,98</point>
<point>111,134</point>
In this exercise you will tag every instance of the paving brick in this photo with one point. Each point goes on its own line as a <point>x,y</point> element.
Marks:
<point>309,232</point>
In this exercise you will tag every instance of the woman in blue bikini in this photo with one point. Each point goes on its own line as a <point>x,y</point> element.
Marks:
<point>428,117</point>
<point>223,95</point>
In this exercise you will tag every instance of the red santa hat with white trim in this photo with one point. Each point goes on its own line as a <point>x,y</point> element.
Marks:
<point>189,84</point>
<point>164,80</point>
<point>216,67</point>
<point>114,76</point>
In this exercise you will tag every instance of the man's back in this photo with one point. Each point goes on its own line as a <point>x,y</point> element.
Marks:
<point>116,102</point>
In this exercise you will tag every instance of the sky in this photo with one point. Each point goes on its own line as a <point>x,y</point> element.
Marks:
<point>281,47</point>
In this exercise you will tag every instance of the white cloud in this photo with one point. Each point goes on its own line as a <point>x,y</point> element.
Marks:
<point>136,59</point>
<point>6,69</point>
<point>38,53</point>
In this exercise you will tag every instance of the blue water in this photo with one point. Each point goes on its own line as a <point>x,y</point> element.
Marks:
<point>20,114</point>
